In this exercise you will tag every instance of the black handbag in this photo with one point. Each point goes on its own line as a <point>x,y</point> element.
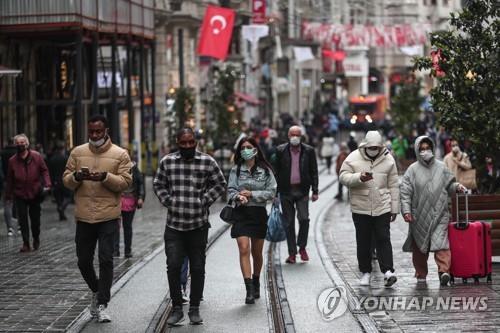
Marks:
<point>227,213</point>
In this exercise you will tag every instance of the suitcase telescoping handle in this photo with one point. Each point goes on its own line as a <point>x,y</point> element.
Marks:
<point>463,224</point>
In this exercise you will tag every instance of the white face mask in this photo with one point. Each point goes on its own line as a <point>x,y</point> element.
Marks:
<point>426,155</point>
<point>295,140</point>
<point>97,143</point>
<point>372,153</point>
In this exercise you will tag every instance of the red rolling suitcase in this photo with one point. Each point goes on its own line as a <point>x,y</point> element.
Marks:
<point>470,246</point>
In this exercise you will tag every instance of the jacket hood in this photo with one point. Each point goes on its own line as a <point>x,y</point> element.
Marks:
<point>418,141</point>
<point>372,138</point>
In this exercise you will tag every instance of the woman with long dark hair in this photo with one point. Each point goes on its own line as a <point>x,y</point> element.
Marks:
<point>251,185</point>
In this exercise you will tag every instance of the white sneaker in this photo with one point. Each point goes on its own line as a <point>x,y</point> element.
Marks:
<point>390,278</point>
<point>365,279</point>
<point>185,298</point>
<point>11,232</point>
<point>93,306</point>
<point>421,280</point>
<point>102,316</point>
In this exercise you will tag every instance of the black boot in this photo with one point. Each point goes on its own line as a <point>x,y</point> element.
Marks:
<point>256,286</point>
<point>249,286</point>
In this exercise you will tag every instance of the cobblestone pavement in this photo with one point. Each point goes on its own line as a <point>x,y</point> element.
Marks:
<point>339,235</point>
<point>43,290</point>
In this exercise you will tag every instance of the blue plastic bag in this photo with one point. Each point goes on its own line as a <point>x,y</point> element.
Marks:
<point>275,228</point>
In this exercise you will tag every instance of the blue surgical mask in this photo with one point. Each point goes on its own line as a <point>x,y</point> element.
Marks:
<point>248,153</point>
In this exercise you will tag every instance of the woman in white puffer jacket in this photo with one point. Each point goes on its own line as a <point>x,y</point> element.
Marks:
<point>371,175</point>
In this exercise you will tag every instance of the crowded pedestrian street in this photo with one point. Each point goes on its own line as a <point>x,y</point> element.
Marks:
<point>42,291</point>
<point>249,166</point>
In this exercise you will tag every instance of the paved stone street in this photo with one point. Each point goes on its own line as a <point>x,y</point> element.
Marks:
<point>339,237</point>
<point>43,290</point>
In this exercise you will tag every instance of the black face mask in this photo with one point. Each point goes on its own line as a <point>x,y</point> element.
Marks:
<point>21,148</point>
<point>187,153</point>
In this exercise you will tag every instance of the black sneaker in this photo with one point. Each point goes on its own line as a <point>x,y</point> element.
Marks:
<point>128,255</point>
<point>176,316</point>
<point>194,315</point>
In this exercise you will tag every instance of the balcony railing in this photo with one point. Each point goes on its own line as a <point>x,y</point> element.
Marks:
<point>121,16</point>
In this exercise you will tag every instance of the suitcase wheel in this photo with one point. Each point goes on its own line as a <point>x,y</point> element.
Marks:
<point>464,281</point>
<point>452,279</point>
<point>476,280</point>
<point>489,279</point>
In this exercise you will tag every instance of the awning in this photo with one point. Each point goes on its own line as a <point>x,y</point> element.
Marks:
<point>4,71</point>
<point>247,98</point>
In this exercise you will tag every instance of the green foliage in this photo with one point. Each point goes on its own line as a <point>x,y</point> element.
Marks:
<point>183,107</point>
<point>221,103</point>
<point>467,96</point>
<point>405,107</point>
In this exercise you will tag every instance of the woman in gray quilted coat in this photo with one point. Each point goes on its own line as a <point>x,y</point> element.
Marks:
<point>424,194</point>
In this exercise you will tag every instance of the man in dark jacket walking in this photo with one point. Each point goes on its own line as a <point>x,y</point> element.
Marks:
<point>27,181</point>
<point>8,207</point>
<point>57,165</point>
<point>296,173</point>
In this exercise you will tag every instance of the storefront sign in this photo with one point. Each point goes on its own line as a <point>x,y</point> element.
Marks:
<point>356,66</point>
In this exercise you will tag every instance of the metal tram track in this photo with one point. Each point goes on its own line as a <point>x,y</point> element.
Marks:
<point>159,322</point>
<point>281,314</point>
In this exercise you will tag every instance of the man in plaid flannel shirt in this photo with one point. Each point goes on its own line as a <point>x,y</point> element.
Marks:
<point>187,183</point>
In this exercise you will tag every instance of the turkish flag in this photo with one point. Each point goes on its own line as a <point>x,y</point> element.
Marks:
<point>334,55</point>
<point>216,31</point>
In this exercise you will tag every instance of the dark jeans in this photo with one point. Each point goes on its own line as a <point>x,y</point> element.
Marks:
<point>32,209</point>
<point>127,218</point>
<point>328,161</point>
<point>178,245</point>
<point>341,190</point>
<point>62,198</point>
<point>289,203</point>
<point>86,238</point>
<point>8,208</point>
<point>379,227</point>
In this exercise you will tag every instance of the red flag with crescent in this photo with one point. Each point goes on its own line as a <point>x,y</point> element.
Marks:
<point>216,31</point>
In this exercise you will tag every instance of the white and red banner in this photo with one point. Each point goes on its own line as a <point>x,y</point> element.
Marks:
<point>345,35</point>
<point>216,31</point>
<point>258,11</point>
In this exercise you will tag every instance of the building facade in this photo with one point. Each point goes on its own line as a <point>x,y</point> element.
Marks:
<point>78,58</point>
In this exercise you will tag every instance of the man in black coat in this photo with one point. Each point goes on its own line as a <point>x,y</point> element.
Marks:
<point>57,165</point>
<point>9,208</point>
<point>296,173</point>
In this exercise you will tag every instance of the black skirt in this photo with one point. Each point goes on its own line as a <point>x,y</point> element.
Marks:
<point>251,222</point>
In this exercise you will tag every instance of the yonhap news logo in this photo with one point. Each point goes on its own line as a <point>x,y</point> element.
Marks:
<point>333,303</point>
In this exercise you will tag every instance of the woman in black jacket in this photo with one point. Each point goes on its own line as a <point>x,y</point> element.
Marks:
<point>132,199</point>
